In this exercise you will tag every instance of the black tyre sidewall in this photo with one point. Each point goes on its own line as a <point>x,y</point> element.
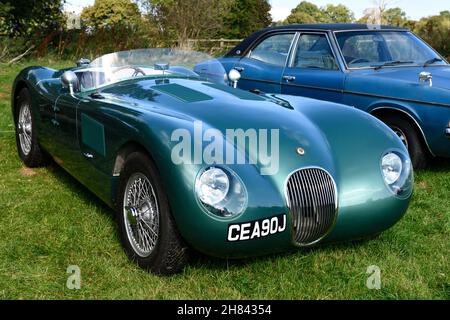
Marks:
<point>416,147</point>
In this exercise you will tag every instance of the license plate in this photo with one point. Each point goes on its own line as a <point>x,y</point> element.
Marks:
<point>256,229</point>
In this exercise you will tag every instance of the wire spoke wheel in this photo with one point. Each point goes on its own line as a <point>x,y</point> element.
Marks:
<point>141,214</point>
<point>24,128</point>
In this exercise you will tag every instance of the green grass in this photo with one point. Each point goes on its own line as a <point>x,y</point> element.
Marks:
<point>48,221</point>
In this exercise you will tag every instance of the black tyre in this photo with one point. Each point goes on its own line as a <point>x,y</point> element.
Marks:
<point>26,132</point>
<point>410,136</point>
<point>146,226</point>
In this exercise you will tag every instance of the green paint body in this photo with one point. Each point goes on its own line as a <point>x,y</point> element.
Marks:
<point>347,143</point>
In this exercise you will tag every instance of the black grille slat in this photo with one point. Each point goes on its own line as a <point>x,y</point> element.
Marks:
<point>312,201</point>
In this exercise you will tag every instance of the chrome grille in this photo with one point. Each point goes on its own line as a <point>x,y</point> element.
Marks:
<point>312,200</point>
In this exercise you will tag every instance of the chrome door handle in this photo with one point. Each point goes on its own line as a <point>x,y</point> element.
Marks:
<point>240,69</point>
<point>88,155</point>
<point>289,78</point>
<point>447,132</point>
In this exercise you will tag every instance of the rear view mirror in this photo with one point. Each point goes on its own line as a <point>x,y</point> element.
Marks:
<point>162,66</point>
<point>70,80</point>
<point>234,76</point>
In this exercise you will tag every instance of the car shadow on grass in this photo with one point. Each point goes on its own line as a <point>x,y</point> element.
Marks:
<point>439,165</point>
<point>201,261</point>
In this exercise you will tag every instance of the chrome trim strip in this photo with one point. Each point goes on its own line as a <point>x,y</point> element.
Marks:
<point>262,81</point>
<point>42,80</point>
<point>313,87</point>
<point>437,104</point>
<point>291,55</point>
<point>371,30</point>
<point>293,85</point>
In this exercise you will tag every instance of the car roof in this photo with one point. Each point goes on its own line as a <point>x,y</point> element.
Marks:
<point>333,27</point>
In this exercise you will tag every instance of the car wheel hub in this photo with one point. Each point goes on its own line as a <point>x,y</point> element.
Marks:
<point>141,215</point>
<point>24,126</point>
<point>401,135</point>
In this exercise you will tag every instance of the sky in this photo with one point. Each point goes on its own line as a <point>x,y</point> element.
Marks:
<point>415,9</point>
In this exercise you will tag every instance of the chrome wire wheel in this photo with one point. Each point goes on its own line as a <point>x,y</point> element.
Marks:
<point>24,128</point>
<point>401,135</point>
<point>141,215</point>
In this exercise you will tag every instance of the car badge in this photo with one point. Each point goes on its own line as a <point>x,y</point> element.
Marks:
<point>301,151</point>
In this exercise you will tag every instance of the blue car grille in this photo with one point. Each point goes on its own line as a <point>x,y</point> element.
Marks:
<point>312,200</point>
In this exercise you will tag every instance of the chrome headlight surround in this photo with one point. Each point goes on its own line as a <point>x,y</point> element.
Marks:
<point>221,192</point>
<point>397,173</point>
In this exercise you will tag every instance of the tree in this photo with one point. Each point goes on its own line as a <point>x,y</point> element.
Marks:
<point>108,13</point>
<point>395,17</point>
<point>435,31</point>
<point>307,12</point>
<point>5,18</point>
<point>338,14</point>
<point>24,17</point>
<point>245,17</point>
<point>189,19</point>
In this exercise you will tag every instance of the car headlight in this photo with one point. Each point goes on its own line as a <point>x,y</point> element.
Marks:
<point>221,192</point>
<point>392,166</point>
<point>397,173</point>
<point>213,186</point>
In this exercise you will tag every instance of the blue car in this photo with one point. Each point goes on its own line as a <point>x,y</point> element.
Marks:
<point>388,72</point>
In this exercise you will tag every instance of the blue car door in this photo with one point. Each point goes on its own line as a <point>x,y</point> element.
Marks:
<point>262,68</point>
<point>313,70</point>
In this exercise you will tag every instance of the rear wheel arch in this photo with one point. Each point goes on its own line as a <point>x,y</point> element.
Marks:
<point>18,88</point>
<point>382,111</point>
<point>125,150</point>
<point>409,130</point>
<point>121,157</point>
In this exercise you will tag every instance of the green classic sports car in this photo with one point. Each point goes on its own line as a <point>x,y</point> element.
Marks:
<point>189,161</point>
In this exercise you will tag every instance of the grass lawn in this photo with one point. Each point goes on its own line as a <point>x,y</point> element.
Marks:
<point>48,221</point>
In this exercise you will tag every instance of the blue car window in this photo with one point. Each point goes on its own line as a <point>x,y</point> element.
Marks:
<point>375,48</point>
<point>274,49</point>
<point>313,51</point>
<point>406,48</point>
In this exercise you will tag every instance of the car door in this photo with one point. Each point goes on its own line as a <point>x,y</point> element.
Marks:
<point>95,153</point>
<point>66,149</point>
<point>262,68</point>
<point>81,143</point>
<point>313,70</point>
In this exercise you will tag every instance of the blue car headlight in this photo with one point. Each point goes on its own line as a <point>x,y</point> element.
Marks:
<point>397,173</point>
<point>221,192</point>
